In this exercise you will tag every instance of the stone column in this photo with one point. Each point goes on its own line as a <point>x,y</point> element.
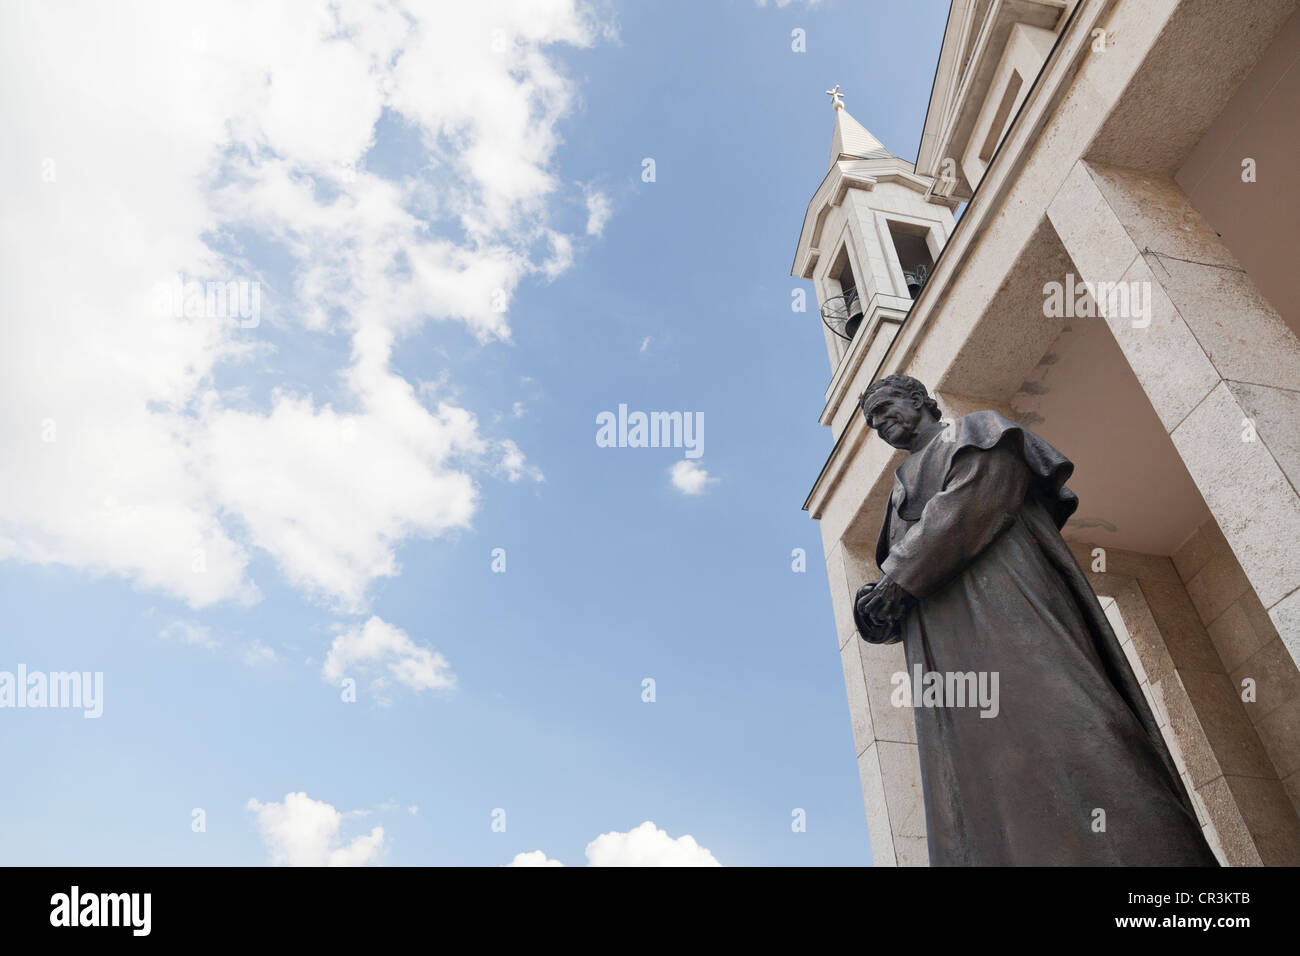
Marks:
<point>884,736</point>
<point>1219,365</point>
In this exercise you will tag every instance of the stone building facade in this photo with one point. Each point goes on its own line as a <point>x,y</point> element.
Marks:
<point>1097,240</point>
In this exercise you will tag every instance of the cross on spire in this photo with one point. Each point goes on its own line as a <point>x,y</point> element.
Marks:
<point>837,98</point>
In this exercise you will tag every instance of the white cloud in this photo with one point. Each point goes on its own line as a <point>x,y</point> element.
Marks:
<point>256,654</point>
<point>305,832</point>
<point>515,466</point>
<point>387,653</point>
<point>292,475</point>
<point>123,454</point>
<point>645,344</point>
<point>599,209</point>
<point>189,632</point>
<point>645,845</point>
<point>533,858</point>
<point>689,477</point>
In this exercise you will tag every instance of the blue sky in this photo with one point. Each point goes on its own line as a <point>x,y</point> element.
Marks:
<point>470,430</point>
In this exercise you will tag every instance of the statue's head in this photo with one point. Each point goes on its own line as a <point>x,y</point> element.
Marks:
<point>897,407</point>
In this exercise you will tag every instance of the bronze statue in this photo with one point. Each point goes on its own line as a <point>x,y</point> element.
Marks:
<point>1067,767</point>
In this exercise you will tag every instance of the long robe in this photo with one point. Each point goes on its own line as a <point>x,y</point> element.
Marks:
<point>972,534</point>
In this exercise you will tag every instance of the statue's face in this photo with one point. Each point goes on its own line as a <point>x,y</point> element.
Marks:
<point>895,416</point>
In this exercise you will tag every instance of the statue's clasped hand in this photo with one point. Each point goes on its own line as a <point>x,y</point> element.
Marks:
<point>879,609</point>
<point>884,604</point>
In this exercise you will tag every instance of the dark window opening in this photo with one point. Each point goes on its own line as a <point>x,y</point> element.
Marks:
<point>842,272</point>
<point>913,254</point>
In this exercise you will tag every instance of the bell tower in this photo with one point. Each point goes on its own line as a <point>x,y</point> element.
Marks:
<point>870,239</point>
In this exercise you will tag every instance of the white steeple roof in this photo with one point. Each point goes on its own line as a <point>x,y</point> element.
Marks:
<point>851,139</point>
